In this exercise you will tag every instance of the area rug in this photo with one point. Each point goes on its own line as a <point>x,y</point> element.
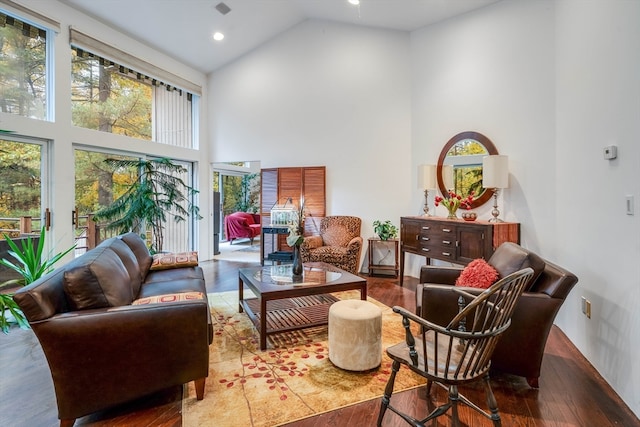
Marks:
<point>291,380</point>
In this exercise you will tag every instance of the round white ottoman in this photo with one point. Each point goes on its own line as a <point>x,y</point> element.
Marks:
<point>355,328</point>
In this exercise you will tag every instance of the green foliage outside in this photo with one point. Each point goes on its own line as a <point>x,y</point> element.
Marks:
<point>22,73</point>
<point>19,181</point>
<point>241,193</point>
<point>467,178</point>
<point>107,100</point>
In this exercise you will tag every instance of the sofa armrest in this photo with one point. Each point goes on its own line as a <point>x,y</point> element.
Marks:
<point>439,274</point>
<point>129,351</point>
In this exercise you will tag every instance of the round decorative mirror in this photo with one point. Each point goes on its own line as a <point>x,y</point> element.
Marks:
<point>461,161</point>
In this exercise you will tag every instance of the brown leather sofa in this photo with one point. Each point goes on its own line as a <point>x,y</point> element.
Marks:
<point>521,348</point>
<point>107,337</point>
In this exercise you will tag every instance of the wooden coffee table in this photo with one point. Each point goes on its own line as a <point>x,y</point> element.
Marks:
<point>280,304</point>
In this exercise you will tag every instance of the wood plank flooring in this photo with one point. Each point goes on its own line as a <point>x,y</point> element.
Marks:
<point>571,392</point>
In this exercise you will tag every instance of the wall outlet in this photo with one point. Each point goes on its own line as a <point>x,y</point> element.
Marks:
<point>586,307</point>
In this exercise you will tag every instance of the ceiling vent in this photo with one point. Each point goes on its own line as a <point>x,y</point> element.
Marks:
<point>223,8</point>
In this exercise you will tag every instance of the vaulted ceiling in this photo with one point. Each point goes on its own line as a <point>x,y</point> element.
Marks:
<point>184,29</point>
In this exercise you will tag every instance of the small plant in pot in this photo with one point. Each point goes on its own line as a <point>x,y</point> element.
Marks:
<point>385,230</point>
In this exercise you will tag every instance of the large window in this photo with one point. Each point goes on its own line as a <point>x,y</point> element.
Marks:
<point>98,184</point>
<point>23,59</point>
<point>21,163</point>
<point>111,97</point>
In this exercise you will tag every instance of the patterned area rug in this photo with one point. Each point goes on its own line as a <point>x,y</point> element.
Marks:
<point>291,380</point>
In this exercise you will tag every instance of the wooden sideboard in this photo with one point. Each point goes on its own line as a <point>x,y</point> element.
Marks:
<point>455,241</point>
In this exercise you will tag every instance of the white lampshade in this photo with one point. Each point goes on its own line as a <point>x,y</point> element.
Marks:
<point>447,176</point>
<point>495,171</point>
<point>427,177</point>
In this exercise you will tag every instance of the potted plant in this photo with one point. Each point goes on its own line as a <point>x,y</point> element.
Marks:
<point>158,192</point>
<point>31,266</point>
<point>385,230</point>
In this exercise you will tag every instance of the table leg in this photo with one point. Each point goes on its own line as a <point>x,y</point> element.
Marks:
<point>263,323</point>
<point>363,292</point>
<point>240,294</point>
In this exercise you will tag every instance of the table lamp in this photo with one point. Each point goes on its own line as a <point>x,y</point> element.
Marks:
<point>495,175</point>
<point>426,182</point>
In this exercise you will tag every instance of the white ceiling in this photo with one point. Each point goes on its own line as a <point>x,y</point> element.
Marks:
<point>183,29</point>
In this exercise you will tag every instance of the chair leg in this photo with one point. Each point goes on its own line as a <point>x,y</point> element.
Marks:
<point>199,383</point>
<point>388,390</point>
<point>492,403</point>
<point>533,382</point>
<point>453,399</point>
<point>68,422</point>
<point>429,384</point>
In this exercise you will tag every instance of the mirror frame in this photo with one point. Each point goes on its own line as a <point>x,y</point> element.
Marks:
<point>491,149</point>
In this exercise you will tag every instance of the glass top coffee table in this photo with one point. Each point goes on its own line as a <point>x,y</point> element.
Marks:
<point>280,304</point>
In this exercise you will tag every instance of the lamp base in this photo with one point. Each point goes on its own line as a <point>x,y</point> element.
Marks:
<point>495,212</point>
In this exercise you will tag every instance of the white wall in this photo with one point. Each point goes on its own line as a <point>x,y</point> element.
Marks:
<point>324,94</point>
<point>598,104</point>
<point>551,83</point>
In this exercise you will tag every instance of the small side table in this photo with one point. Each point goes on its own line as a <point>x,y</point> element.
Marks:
<point>375,262</point>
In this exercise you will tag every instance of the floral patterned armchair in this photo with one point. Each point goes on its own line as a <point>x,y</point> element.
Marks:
<point>339,243</point>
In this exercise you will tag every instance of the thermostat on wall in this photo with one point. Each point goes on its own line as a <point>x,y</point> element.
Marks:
<point>610,152</point>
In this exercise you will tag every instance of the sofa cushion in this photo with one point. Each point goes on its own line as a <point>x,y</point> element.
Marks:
<point>510,257</point>
<point>129,260</point>
<point>183,296</point>
<point>477,274</point>
<point>140,250</point>
<point>97,279</point>
<point>336,235</point>
<point>166,261</point>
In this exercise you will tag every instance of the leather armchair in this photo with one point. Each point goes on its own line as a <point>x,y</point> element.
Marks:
<point>521,348</point>
<point>339,243</point>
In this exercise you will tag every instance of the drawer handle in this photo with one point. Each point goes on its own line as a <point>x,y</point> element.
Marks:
<point>426,238</point>
<point>426,228</point>
<point>446,242</point>
<point>446,254</point>
<point>446,230</point>
<point>425,249</point>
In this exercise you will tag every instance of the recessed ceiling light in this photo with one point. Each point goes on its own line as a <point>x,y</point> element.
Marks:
<point>217,36</point>
<point>354,2</point>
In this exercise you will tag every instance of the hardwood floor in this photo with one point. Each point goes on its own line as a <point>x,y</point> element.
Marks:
<point>571,392</point>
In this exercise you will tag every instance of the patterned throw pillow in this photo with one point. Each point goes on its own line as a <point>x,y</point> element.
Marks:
<point>174,260</point>
<point>183,296</point>
<point>477,274</point>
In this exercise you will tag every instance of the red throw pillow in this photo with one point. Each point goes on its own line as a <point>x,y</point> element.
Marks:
<point>477,274</point>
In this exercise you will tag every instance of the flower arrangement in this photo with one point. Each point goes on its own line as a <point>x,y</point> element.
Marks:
<point>296,227</point>
<point>454,202</point>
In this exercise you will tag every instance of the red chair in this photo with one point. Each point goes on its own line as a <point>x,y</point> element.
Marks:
<point>240,225</point>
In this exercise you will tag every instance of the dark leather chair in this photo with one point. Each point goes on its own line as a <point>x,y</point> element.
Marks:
<point>521,348</point>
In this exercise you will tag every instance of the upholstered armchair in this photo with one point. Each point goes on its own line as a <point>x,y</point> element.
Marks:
<point>339,243</point>
<point>239,225</point>
<point>521,348</point>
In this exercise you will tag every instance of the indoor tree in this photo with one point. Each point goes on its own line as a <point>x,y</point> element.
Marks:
<point>158,193</point>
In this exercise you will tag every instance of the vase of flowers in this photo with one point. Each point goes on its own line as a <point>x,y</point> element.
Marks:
<point>295,239</point>
<point>454,202</point>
